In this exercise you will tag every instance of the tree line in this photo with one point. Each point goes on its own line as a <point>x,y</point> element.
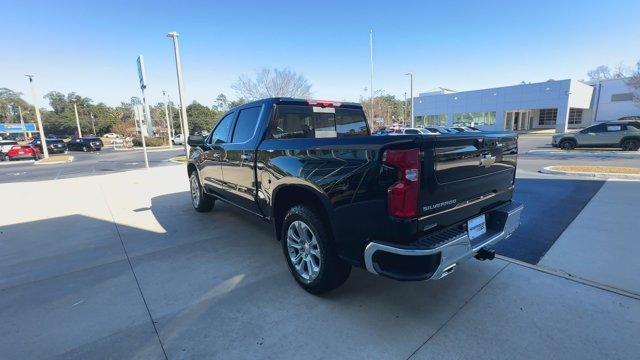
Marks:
<point>99,118</point>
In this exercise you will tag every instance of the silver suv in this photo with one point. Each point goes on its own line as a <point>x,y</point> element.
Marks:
<point>622,134</point>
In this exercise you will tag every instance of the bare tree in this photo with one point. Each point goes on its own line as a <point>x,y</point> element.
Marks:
<point>621,71</point>
<point>273,83</point>
<point>602,72</point>
<point>634,82</point>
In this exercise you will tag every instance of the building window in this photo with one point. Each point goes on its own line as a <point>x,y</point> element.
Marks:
<point>474,118</point>
<point>622,97</point>
<point>440,119</point>
<point>548,116</point>
<point>575,116</point>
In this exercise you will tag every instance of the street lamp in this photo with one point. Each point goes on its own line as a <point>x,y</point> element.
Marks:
<point>176,50</point>
<point>166,115</point>
<point>75,109</point>
<point>43,141</point>
<point>413,121</point>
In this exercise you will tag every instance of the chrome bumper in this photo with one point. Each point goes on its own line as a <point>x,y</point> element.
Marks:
<point>501,223</point>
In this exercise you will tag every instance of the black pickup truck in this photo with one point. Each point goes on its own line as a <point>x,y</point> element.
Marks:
<point>408,207</point>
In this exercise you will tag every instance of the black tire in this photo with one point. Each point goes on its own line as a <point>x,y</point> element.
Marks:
<point>630,145</point>
<point>333,271</point>
<point>200,200</point>
<point>567,144</point>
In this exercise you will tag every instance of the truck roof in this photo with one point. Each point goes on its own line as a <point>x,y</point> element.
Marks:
<point>296,101</point>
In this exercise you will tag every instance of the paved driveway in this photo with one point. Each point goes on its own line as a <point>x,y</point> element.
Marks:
<point>126,269</point>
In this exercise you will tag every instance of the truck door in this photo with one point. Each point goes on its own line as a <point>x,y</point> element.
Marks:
<point>211,171</point>
<point>238,166</point>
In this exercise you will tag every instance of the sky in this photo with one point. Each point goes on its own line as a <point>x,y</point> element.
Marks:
<point>90,47</point>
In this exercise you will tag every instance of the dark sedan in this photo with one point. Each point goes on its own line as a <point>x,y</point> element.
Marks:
<point>54,146</point>
<point>85,144</point>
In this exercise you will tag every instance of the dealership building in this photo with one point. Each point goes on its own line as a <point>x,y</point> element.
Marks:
<point>553,104</point>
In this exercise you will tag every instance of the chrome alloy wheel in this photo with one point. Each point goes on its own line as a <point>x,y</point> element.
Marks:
<point>303,250</point>
<point>195,190</point>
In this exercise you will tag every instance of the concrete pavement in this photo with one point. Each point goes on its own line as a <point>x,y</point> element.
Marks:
<point>126,269</point>
<point>601,245</point>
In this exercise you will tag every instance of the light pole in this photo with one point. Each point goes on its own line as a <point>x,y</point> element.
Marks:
<point>176,50</point>
<point>93,124</point>
<point>75,109</point>
<point>43,141</point>
<point>413,120</point>
<point>404,110</point>
<point>22,123</point>
<point>371,63</point>
<point>166,115</point>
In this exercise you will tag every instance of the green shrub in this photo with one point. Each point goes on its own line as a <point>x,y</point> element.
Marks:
<point>150,141</point>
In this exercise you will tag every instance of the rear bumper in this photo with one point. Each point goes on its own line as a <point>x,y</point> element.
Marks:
<point>437,255</point>
<point>22,157</point>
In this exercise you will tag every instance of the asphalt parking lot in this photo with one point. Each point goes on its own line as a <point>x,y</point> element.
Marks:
<point>136,273</point>
<point>85,164</point>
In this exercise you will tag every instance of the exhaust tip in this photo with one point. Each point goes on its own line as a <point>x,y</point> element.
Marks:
<point>448,270</point>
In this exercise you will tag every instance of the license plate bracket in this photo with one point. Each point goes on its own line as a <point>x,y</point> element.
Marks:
<point>477,227</point>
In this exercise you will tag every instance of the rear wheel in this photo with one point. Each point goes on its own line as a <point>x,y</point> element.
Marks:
<point>631,145</point>
<point>200,200</point>
<point>567,144</point>
<point>310,252</point>
<point>84,148</point>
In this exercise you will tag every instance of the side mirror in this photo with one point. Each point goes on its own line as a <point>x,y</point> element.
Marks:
<point>195,140</point>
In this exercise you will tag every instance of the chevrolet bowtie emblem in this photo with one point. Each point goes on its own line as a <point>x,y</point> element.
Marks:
<point>487,160</point>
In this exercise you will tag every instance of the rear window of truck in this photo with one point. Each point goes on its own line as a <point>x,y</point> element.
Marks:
<point>298,121</point>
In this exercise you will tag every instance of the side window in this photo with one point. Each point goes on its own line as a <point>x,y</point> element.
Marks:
<point>596,129</point>
<point>246,124</point>
<point>293,122</point>
<point>221,132</point>
<point>614,128</point>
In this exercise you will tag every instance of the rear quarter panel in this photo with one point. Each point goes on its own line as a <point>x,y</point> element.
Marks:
<point>345,172</point>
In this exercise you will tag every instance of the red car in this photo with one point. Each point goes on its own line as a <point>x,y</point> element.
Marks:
<point>19,152</point>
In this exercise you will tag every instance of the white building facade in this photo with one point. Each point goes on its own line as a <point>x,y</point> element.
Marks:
<point>553,104</point>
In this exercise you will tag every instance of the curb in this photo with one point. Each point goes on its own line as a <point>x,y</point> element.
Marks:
<point>54,162</point>
<point>549,170</point>
<point>150,149</point>
<point>176,161</point>
<point>613,154</point>
<point>21,162</point>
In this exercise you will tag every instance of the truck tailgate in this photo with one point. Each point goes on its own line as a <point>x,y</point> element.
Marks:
<point>461,169</point>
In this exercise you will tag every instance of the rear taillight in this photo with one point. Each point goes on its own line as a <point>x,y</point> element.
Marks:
<point>403,195</point>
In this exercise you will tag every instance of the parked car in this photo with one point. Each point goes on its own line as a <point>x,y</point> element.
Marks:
<point>22,152</point>
<point>622,134</point>
<point>409,208</point>
<point>54,146</point>
<point>465,129</point>
<point>85,144</point>
<point>112,136</point>
<point>381,132</point>
<point>440,130</point>
<point>5,146</point>
<point>178,140</point>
